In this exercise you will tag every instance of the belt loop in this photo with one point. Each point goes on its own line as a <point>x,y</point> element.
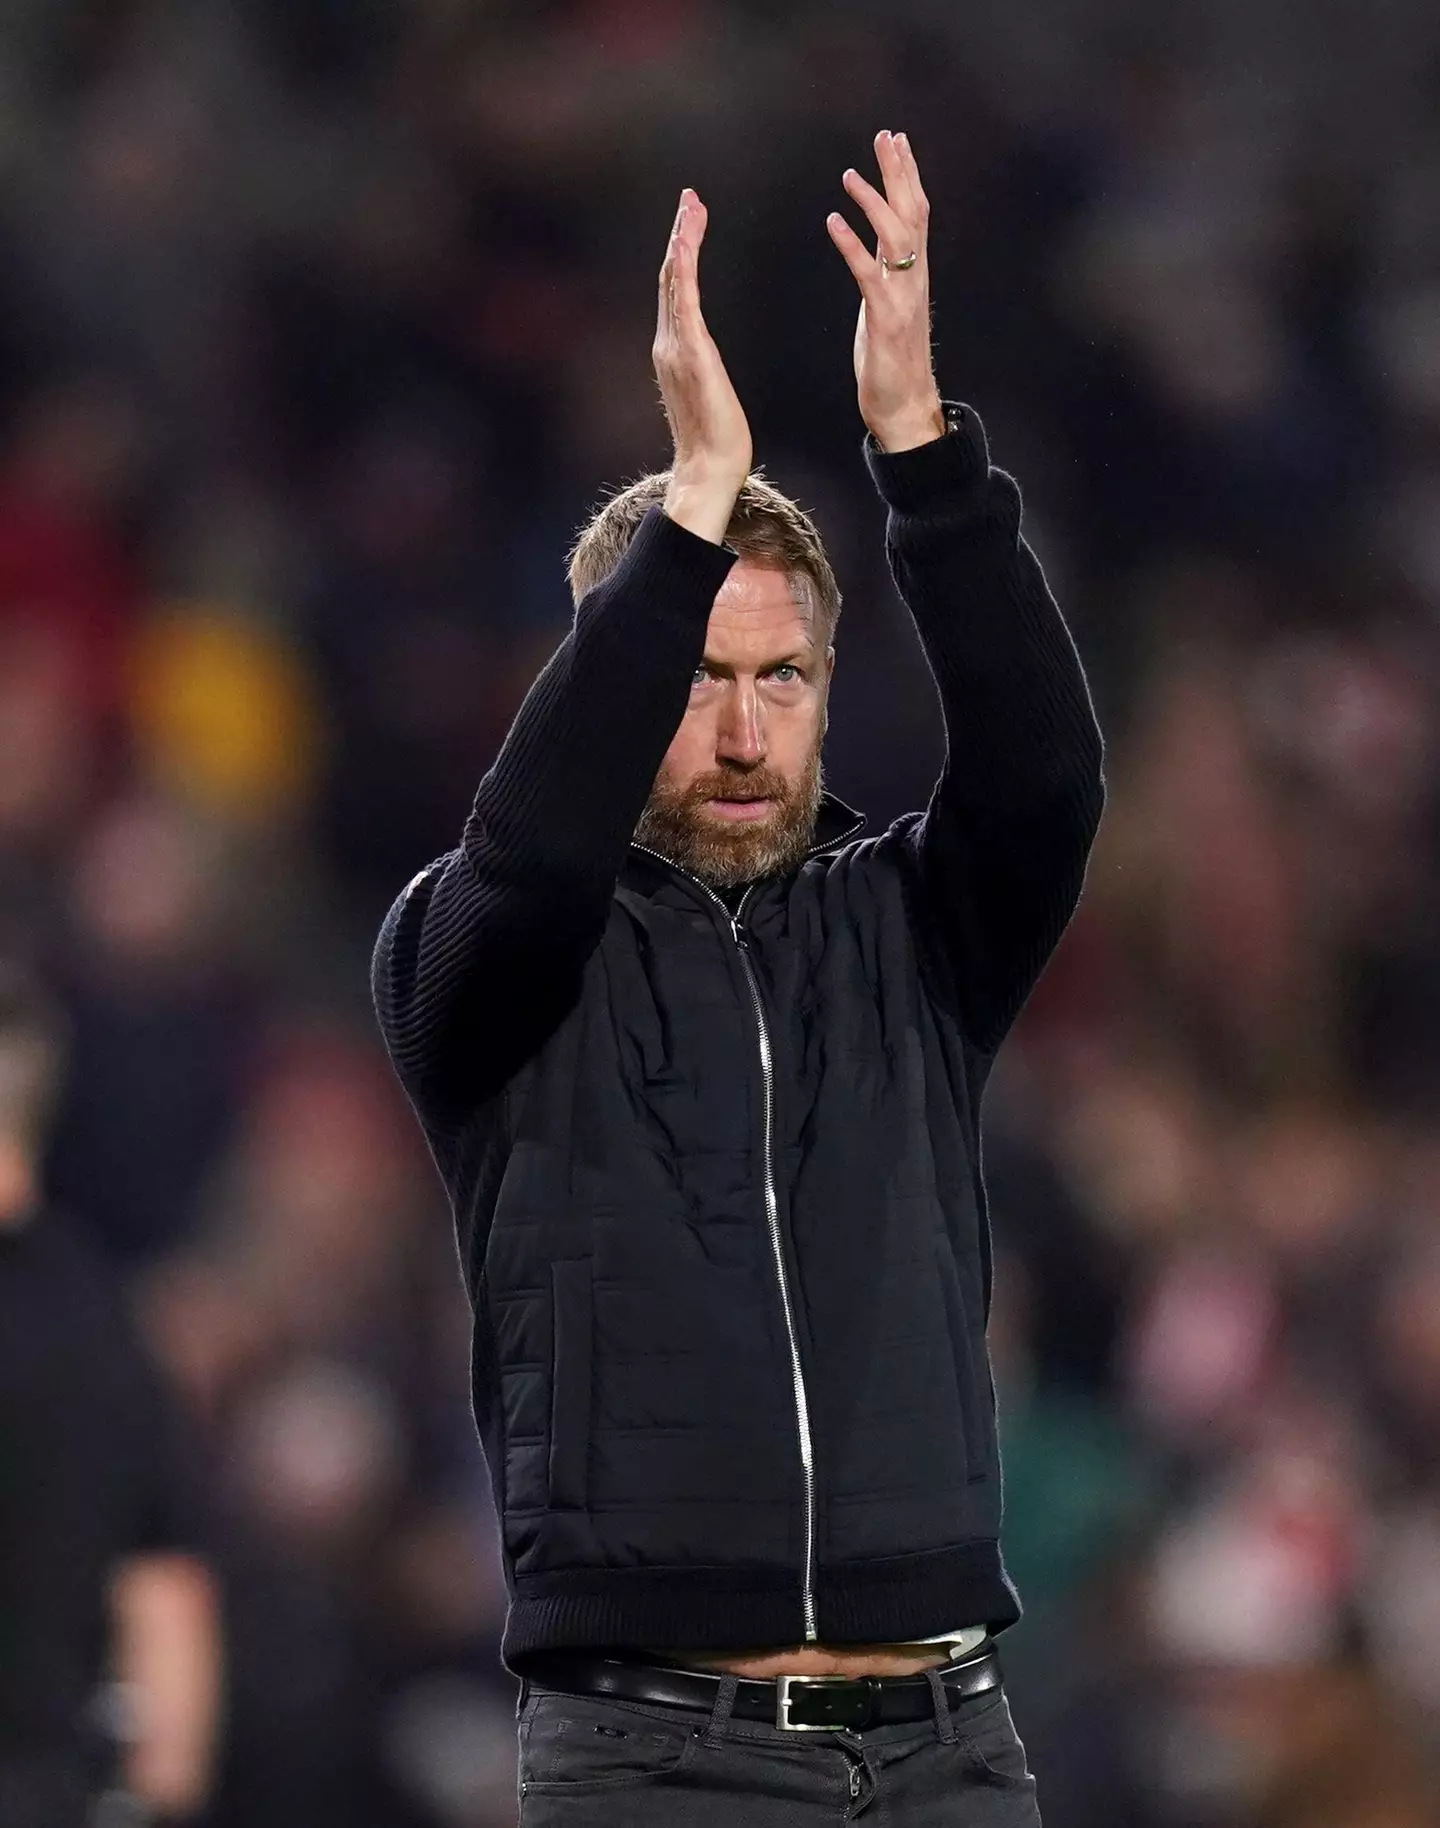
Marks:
<point>720,1713</point>
<point>944,1720</point>
<point>524,1696</point>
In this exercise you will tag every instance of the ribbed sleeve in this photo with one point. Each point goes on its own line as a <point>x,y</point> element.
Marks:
<point>482,954</point>
<point>1004,843</point>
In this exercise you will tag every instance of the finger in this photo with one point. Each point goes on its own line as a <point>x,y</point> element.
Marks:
<point>677,228</point>
<point>893,175</point>
<point>665,320</point>
<point>912,172</point>
<point>894,236</point>
<point>688,316</point>
<point>895,169</point>
<point>857,256</point>
<point>697,218</point>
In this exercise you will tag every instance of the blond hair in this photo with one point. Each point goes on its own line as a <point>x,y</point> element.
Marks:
<point>766,527</point>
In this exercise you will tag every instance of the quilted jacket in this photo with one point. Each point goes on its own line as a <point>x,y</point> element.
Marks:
<point>716,1168</point>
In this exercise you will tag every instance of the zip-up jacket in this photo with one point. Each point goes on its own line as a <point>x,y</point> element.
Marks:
<point>716,1177</point>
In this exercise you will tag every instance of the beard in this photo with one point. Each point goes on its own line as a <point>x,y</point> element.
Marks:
<point>675,824</point>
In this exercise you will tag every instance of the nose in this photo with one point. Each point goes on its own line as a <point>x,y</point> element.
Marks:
<point>740,737</point>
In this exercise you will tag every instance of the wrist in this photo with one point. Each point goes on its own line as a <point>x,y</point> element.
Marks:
<point>916,426</point>
<point>703,503</point>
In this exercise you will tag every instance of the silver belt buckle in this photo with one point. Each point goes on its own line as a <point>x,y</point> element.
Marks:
<point>782,1703</point>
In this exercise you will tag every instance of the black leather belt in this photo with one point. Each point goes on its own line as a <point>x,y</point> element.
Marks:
<point>798,1704</point>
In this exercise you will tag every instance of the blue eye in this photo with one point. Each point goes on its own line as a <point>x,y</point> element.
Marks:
<point>699,676</point>
<point>789,669</point>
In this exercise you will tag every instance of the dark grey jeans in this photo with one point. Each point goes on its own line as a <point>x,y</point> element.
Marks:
<point>587,1762</point>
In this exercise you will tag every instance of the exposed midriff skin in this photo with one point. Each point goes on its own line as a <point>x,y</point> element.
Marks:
<point>816,1660</point>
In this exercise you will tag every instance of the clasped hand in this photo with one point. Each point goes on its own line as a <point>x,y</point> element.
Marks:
<point>894,374</point>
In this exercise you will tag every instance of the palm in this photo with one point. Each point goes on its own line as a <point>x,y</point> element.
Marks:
<point>707,421</point>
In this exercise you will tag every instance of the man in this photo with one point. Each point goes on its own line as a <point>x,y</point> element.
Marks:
<point>701,1068</point>
<point>104,1600</point>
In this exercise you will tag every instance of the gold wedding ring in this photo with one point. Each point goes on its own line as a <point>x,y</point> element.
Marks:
<point>900,266</point>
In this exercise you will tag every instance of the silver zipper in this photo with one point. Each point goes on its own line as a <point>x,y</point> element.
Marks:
<point>772,1214</point>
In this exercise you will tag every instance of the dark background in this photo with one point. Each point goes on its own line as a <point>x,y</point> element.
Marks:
<point>322,322</point>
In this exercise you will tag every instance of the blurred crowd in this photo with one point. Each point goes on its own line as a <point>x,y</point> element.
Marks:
<point>322,323</point>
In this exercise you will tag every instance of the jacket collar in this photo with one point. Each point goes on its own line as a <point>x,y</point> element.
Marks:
<point>835,823</point>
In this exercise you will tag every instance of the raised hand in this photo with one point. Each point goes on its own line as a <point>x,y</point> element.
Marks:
<point>899,400</point>
<point>713,450</point>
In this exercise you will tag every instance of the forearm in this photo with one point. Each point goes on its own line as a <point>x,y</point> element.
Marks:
<point>500,928</point>
<point>1002,849</point>
<point>574,773</point>
<point>1019,723</point>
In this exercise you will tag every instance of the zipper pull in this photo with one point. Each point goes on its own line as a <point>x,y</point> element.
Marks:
<point>738,933</point>
<point>854,1780</point>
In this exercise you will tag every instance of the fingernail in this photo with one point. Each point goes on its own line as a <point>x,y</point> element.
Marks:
<point>903,140</point>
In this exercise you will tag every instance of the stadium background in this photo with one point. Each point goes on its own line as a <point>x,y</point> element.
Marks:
<point>321,324</point>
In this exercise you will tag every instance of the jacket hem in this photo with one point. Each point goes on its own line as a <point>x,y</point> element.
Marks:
<point>882,1600</point>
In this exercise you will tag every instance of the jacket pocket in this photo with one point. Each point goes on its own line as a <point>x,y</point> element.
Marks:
<point>572,1347</point>
<point>970,1365</point>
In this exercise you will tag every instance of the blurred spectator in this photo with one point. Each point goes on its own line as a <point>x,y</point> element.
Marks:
<point>159,1010</point>
<point>110,1653</point>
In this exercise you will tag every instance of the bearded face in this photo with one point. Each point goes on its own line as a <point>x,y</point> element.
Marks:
<point>739,789</point>
<point>728,827</point>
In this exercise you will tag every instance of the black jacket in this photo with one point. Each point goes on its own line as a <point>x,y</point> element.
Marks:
<point>717,1179</point>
